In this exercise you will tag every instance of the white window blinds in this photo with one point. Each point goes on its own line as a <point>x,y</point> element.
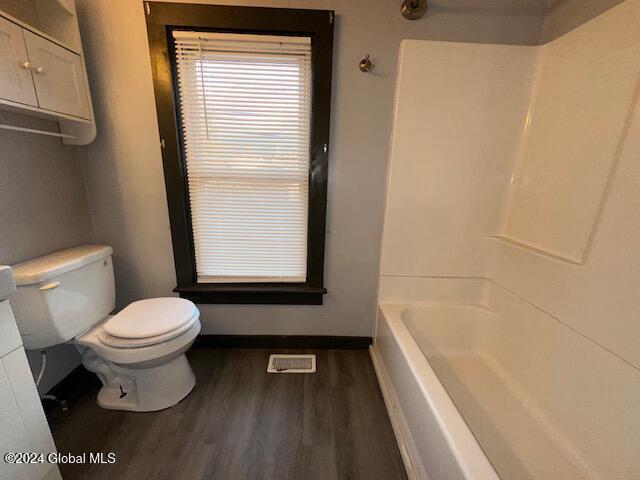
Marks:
<point>245,102</point>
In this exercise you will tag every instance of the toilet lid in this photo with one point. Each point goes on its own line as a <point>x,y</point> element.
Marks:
<point>117,342</point>
<point>151,317</point>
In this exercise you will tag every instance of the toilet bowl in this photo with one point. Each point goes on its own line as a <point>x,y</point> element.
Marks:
<point>138,353</point>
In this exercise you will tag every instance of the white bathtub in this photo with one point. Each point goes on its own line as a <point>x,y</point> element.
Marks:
<point>457,411</point>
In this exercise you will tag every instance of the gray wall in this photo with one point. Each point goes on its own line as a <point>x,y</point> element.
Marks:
<point>43,200</point>
<point>565,15</point>
<point>124,166</point>
<point>43,208</point>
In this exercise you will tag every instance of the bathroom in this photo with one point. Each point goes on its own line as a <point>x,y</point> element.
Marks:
<point>327,239</point>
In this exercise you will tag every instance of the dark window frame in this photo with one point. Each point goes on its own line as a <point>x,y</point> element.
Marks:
<point>162,18</point>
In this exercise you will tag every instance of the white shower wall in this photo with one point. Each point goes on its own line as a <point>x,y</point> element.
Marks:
<point>459,113</point>
<point>505,158</point>
<point>519,165</point>
<point>576,186</point>
<point>583,92</point>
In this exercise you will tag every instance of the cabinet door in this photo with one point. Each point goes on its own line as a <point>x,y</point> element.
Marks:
<point>16,368</point>
<point>14,436</point>
<point>58,76</point>
<point>16,83</point>
<point>9,334</point>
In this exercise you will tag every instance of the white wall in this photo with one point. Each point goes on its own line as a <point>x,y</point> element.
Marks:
<point>598,296</point>
<point>583,90</point>
<point>460,110</point>
<point>124,167</point>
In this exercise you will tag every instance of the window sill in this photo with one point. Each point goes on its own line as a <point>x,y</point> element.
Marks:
<point>256,294</point>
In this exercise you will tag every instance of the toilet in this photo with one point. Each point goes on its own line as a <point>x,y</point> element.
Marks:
<point>138,354</point>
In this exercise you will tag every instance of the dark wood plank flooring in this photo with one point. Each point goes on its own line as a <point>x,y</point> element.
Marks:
<point>242,423</point>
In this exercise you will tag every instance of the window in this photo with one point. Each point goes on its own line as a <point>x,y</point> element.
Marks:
<point>245,102</point>
<point>243,97</point>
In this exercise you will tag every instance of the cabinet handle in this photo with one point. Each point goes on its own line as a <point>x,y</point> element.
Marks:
<point>26,65</point>
<point>39,70</point>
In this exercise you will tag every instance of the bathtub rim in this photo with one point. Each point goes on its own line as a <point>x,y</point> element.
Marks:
<point>464,447</point>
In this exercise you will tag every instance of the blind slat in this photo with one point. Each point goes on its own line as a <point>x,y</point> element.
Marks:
<point>245,103</point>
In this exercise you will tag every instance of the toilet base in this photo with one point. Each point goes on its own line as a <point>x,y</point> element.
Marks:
<point>142,389</point>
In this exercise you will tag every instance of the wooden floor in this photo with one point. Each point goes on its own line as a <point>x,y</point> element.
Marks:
<point>242,423</point>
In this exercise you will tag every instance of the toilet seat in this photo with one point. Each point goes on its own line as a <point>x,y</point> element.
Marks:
<point>124,351</point>
<point>153,317</point>
<point>148,322</point>
<point>117,342</point>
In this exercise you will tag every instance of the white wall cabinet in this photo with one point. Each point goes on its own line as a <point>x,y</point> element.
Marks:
<point>16,81</point>
<point>58,77</point>
<point>23,425</point>
<point>42,69</point>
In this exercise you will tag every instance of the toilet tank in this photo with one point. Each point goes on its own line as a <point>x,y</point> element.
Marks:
<point>63,294</point>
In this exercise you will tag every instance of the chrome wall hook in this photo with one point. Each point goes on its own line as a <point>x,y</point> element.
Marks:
<point>366,65</point>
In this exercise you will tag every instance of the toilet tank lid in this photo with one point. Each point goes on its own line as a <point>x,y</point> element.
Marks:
<point>42,269</point>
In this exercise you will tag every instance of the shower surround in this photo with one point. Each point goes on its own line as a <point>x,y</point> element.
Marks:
<point>508,319</point>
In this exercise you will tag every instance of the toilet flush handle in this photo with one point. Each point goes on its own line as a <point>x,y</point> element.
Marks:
<point>49,286</point>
